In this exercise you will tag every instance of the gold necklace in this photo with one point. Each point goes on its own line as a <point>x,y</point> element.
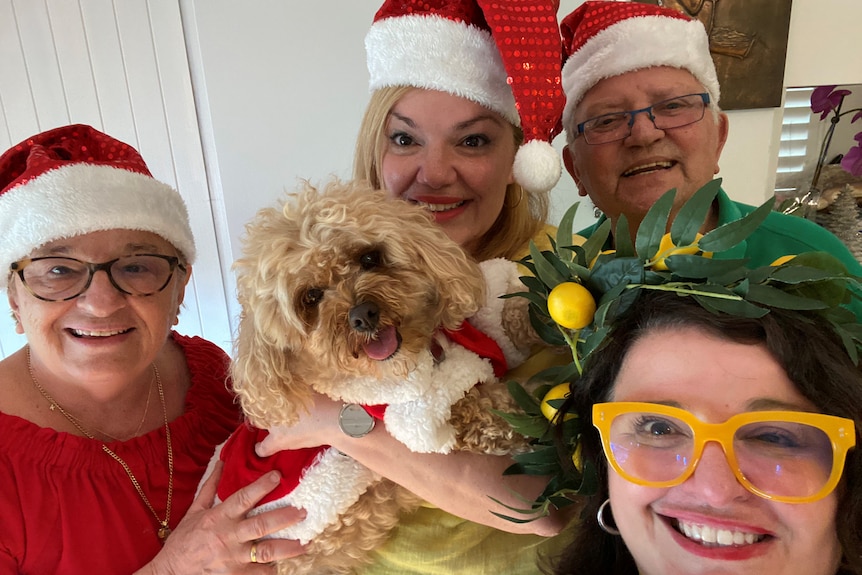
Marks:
<point>56,407</point>
<point>164,529</point>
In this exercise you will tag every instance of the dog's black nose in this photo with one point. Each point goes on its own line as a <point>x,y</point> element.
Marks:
<point>364,317</point>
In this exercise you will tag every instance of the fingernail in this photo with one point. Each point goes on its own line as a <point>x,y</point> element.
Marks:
<point>273,476</point>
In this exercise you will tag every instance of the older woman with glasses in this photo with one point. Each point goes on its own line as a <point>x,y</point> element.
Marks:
<point>109,417</point>
<point>722,443</point>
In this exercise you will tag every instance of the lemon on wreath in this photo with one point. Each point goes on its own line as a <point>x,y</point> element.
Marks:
<point>560,391</point>
<point>571,305</point>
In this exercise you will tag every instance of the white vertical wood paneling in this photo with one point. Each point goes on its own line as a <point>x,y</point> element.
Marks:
<point>37,45</point>
<point>108,71</point>
<point>17,100</point>
<point>76,71</point>
<point>121,66</point>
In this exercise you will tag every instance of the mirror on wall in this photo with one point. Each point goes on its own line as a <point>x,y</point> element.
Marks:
<point>816,134</point>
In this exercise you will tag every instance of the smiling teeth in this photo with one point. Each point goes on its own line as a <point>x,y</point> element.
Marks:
<point>647,167</point>
<point>84,333</point>
<point>718,537</point>
<point>439,207</point>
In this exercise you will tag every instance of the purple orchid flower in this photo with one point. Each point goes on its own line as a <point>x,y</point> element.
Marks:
<point>852,160</point>
<point>825,99</point>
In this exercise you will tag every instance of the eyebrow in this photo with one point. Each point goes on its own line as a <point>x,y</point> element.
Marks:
<point>759,404</point>
<point>615,106</point>
<point>460,126</point>
<point>130,248</point>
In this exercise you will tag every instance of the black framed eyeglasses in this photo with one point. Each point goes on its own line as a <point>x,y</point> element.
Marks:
<point>665,115</point>
<point>60,279</point>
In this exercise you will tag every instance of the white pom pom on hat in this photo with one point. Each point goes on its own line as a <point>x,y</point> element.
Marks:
<point>74,180</point>
<point>503,54</point>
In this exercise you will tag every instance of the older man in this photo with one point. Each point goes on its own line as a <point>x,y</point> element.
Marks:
<point>642,117</point>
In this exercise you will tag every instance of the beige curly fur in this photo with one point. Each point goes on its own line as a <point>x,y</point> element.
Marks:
<point>305,265</point>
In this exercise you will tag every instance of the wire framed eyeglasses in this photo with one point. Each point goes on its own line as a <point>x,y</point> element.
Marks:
<point>665,115</point>
<point>61,279</point>
<point>785,456</point>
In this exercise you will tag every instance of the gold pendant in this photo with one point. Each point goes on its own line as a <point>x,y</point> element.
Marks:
<point>163,533</point>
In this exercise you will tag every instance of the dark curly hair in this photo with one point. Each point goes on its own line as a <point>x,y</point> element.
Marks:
<point>814,359</point>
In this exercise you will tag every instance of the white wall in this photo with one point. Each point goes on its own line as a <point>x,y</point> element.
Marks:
<point>286,85</point>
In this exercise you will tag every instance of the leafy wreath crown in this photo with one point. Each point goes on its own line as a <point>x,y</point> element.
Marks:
<point>815,282</point>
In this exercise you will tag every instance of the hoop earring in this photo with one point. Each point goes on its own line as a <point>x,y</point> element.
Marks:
<point>520,197</point>
<point>600,516</point>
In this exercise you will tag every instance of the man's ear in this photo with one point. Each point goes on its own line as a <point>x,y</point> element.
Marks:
<point>723,130</point>
<point>569,162</point>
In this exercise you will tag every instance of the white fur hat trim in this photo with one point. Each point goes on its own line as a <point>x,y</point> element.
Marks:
<point>437,53</point>
<point>81,198</point>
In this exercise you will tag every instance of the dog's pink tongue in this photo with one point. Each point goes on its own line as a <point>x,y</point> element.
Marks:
<point>384,345</point>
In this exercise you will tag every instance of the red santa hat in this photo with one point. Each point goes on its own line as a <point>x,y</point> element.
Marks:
<point>75,180</point>
<point>502,54</point>
<point>606,39</point>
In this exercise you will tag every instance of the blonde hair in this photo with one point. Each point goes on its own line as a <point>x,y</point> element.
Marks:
<point>523,214</point>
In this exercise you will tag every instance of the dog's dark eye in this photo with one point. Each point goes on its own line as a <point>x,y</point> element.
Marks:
<point>370,260</point>
<point>312,297</point>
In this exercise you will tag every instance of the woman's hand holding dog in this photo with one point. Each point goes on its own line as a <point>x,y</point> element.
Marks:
<point>318,426</point>
<point>454,481</point>
<point>221,539</point>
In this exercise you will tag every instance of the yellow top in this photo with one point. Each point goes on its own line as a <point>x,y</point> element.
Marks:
<point>433,542</point>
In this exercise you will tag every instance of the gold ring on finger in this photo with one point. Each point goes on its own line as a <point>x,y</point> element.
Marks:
<point>253,553</point>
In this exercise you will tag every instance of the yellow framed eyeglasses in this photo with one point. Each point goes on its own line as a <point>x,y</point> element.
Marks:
<point>785,456</point>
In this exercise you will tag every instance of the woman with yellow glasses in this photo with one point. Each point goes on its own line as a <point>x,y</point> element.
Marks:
<point>723,445</point>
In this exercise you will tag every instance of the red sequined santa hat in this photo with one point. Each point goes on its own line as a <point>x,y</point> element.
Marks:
<point>503,54</point>
<point>75,180</point>
<point>606,39</point>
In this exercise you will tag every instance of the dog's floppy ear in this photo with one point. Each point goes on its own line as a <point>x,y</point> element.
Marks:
<point>262,378</point>
<point>460,280</point>
<point>463,292</point>
<point>269,331</point>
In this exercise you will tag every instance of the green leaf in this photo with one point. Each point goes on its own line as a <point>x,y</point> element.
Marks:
<point>548,333</point>
<point>820,260</point>
<point>699,267</point>
<point>545,270</point>
<point>535,285</point>
<point>616,272</point>
<point>526,425</point>
<point>623,238</point>
<point>567,373</point>
<point>537,299</point>
<point>739,308</point>
<point>773,297</point>
<point>654,226</point>
<point>850,345</point>
<point>803,274</point>
<point>594,244</point>
<point>732,233</point>
<point>523,398</point>
<point>564,232</point>
<point>692,214</point>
